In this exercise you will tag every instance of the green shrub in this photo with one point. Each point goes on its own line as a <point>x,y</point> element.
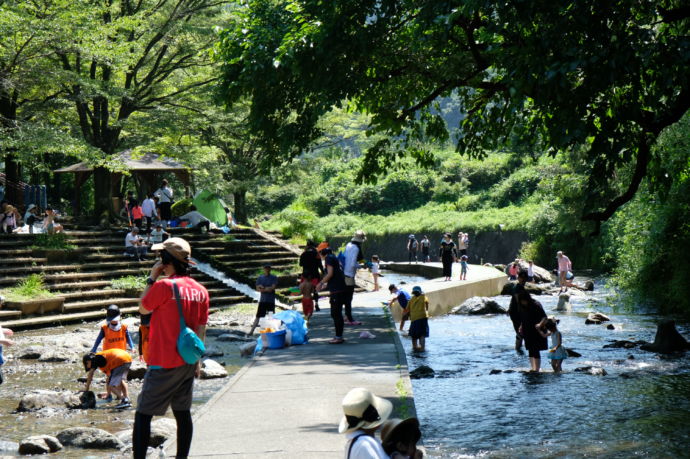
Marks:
<point>129,283</point>
<point>31,288</point>
<point>57,241</point>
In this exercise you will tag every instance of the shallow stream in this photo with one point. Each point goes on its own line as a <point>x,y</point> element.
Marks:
<point>640,408</point>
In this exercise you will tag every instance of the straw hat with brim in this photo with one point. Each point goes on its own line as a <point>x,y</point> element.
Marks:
<point>359,236</point>
<point>395,430</point>
<point>177,247</point>
<point>363,410</point>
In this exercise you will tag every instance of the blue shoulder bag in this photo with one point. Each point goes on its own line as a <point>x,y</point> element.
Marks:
<point>189,345</point>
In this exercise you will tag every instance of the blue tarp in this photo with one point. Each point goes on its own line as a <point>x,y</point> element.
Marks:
<point>294,322</point>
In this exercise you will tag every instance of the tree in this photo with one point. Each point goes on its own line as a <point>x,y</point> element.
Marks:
<point>600,79</point>
<point>133,58</point>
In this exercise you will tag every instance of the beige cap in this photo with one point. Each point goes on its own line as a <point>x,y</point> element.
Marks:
<point>177,247</point>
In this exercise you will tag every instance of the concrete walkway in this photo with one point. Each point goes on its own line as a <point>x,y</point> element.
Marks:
<point>287,403</point>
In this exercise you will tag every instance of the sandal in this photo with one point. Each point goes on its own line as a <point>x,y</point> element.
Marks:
<point>336,341</point>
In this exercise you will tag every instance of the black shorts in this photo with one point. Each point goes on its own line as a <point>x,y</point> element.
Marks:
<point>166,387</point>
<point>265,307</point>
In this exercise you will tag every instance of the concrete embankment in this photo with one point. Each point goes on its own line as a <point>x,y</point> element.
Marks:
<point>287,403</point>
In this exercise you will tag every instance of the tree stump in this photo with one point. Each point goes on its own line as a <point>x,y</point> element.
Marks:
<point>667,339</point>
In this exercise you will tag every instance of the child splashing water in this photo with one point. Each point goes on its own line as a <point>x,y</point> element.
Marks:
<point>557,353</point>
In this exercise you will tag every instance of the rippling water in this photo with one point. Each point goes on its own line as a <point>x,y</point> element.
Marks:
<point>639,409</point>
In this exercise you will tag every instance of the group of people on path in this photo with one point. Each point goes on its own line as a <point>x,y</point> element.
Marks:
<point>413,246</point>
<point>449,253</point>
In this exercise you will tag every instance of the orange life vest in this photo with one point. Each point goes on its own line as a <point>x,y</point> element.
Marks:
<point>113,359</point>
<point>114,339</point>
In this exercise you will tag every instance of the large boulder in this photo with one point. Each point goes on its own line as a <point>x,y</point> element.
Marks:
<point>38,399</point>
<point>667,339</point>
<point>595,318</point>
<point>57,355</point>
<point>89,438</point>
<point>210,369</point>
<point>594,371</point>
<point>422,372</point>
<point>162,429</point>
<point>564,303</point>
<point>30,353</point>
<point>541,275</point>
<point>137,370</point>
<point>39,444</point>
<point>479,305</point>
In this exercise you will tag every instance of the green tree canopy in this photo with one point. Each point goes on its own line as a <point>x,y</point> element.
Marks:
<point>599,78</point>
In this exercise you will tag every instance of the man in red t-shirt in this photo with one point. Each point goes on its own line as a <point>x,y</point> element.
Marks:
<point>169,380</point>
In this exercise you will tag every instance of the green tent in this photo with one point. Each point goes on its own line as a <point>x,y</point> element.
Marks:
<point>211,207</point>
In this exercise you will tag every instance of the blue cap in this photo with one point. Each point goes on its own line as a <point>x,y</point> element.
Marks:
<point>417,288</point>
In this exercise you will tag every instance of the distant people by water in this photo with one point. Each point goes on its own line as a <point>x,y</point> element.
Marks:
<point>375,271</point>
<point>334,281</point>
<point>399,438</point>
<point>448,254</point>
<point>514,309</point>
<point>463,267</point>
<point>530,271</point>
<point>266,285</point>
<point>463,242</point>
<point>425,243</point>
<point>418,311</point>
<point>557,353</point>
<point>531,314</point>
<point>412,247</point>
<point>363,414</point>
<point>353,256</point>
<point>402,297</point>
<point>565,268</point>
<point>513,270</point>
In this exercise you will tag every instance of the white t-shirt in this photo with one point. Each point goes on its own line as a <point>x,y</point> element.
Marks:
<point>164,194</point>
<point>130,239</point>
<point>194,217</point>
<point>157,236</point>
<point>374,268</point>
<point>148,207</point>
<point>365,447</point>
<point>351,252</point>
<point>530,270</point>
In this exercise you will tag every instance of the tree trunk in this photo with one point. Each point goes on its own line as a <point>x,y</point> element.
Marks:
<point>240,198</point>
<point>102,200</point>
<point>13,174</point>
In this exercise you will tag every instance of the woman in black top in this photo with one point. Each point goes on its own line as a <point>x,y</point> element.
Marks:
<point>531,313</point>
<point>448,255</point>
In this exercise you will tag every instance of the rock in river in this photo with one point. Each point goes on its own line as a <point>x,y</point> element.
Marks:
<point>595,371</point>
<point>595,318</point>
<point>667,339</point>
<point>39,444</point>
<point>37,399</point>
<point>564,303</point>
<point>137,370</point>
<point>210,369</point>
<point>478,305</point>
<point>422,372</point>
<point>89,437</point>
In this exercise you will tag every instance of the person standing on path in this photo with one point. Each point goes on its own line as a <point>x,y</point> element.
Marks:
<point>148,207</point>
<point>334,281</point>
<point>426,246</point>
<point>266,285</point>
<point>310,261</point>
<point>353,256</point>
<point>531,314</point>
<point>165,201</point>
<point>364,413</point>
<point>462,243</point>
<point>169,380</point>
<point>412,246</point>
<point>514,310</point>
<point>448,255</point>
<point>564,267</point>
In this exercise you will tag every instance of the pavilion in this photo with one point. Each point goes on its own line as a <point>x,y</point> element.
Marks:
<point>147,171</point>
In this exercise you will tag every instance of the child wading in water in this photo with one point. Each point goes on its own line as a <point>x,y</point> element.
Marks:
<point>306,288</point>
<point>418,308</point>
<point>556,352</point>
<point>463,267</point>
<point>375,271</point>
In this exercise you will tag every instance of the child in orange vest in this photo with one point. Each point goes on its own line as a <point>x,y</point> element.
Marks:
<point>115,364</point>
<point>144,326</point>
<point>114,335</point>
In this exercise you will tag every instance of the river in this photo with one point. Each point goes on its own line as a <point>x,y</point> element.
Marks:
<point>640,409</point>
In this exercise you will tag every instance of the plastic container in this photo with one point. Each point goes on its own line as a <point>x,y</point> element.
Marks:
<point>276,340</point>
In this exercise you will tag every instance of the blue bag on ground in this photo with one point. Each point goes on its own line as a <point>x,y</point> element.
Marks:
<point>294,322</point>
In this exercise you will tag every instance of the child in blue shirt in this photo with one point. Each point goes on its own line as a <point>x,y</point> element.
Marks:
<point>463,267</point>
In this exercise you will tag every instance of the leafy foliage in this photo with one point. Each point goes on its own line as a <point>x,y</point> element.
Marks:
<point>31,288</point>
<point>57,241</point>
<point>129,283</point>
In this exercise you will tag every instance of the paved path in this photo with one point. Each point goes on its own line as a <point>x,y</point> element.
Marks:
<point>287,403</point>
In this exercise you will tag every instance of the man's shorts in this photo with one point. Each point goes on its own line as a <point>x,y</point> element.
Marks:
<point>118,374</point>
<point>166,387</point>
<point>264,308</point>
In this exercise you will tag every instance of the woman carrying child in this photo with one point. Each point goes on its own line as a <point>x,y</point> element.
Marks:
<point>548,327</point>
<point>418,308</point>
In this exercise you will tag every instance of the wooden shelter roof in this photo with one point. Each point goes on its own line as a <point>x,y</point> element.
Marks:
<point>146,162</point>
